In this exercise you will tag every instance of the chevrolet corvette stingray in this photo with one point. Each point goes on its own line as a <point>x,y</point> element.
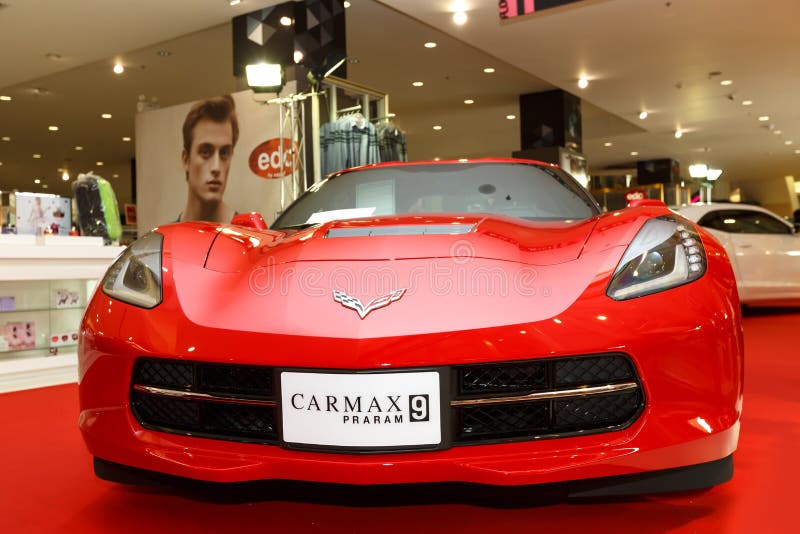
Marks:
<point>476,321</point>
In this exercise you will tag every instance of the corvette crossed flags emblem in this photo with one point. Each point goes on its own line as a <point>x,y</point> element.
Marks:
<point>354,304</point>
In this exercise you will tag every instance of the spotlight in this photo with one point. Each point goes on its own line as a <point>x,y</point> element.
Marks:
<point>698,170</point>
<point>332,62</point>
<point>265,77</point>
<point>678,134</point>
<point>65,175</point>
<point>119,68</point>
<point>460,18</point>
<point>583,83</point>
<point>643,115</point>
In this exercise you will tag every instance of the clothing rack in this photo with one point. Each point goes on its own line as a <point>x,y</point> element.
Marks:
<point>330,85</point>
<point>357,107</point>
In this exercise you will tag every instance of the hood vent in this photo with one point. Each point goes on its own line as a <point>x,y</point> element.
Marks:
<point>406,229</point>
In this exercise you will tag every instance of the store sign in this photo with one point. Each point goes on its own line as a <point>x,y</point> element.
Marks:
<point>636,194</point>
<point>514,8</point>
<point>265,159</point>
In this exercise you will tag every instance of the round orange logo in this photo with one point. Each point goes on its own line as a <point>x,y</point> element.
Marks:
<point>265,159</point>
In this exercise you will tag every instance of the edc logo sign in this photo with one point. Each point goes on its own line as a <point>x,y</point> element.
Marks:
<point>265,159</point>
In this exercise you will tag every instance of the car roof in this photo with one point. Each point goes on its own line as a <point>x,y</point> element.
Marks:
<point>443,162</point>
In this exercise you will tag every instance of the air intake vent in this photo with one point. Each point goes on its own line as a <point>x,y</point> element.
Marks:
<point>407,229</point>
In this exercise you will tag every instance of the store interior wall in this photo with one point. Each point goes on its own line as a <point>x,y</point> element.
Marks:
<point>199,65</point>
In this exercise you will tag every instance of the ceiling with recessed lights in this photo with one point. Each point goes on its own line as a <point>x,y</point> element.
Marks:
<point>657,76</point>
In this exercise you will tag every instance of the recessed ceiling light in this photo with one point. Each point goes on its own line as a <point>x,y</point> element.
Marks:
<point>608,143</point>
<point>437,159</point>
<point>430,44</point>
<point>634,153</point>
<point>65,175</point>
<point>115,175</point>
<point>298,56</point>
<point>52,56</point>
<point>460,18</point>
<point>583,83</point>
<point>511,117</point>
<point>53,128</point>
<point>463,160</point>
<point>437,127</point>
<point>234,2</point>
<point>163,53</point>
<point>747,102</point>
<point>119,68</point>
<point>678,134</point>
<point>777,132</point>
<point>126,138</point>
<point>37,156</point>
<point>285,21</point>
<point>726,82</point>
<point>5,98</point>
<point>764,118</point>
<point>6,138</point>
<point>44,186</point>
<point>797,151</point>
<point>643,115</point>
<point>37,181</point>
<point>469,101</point>
<point>99,163</point>
<point>787,142</point>
<point>79,148</point>
<point>106,115</point>
<point>488,70</point>
<point>417,84</point>
<point>346,4</point>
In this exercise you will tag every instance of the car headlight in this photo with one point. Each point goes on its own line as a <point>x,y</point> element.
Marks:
<point>135,277</point>
<point>667,252</point>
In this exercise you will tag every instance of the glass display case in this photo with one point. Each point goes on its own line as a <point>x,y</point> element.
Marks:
<point>45,285</point>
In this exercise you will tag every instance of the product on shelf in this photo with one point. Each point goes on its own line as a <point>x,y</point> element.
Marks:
<point>8,304</point>
<point>64,298</point>
<point>98,212</point>
<point>63,339</point>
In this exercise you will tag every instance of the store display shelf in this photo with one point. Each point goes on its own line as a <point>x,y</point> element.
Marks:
<point>26,373</point>
<point>33,310</point>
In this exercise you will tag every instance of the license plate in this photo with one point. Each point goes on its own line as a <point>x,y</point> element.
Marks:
<point>361,410</point>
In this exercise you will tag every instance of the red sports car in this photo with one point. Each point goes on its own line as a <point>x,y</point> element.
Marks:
<point>406,323</point>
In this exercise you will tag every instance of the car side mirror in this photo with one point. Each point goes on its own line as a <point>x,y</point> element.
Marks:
<point>250,220</point>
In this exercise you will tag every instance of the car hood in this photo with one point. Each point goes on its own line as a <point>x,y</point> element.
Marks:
<point>410,237</point>
<point>380,279</point>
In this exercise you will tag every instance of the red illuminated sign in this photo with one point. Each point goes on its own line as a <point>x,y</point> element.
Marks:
<point>514,8</point>
<point>265,159</point>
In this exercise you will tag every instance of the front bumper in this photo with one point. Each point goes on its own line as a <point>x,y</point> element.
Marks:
<point>690,365</point>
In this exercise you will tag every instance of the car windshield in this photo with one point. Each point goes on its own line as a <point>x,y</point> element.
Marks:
<point>519,190</point>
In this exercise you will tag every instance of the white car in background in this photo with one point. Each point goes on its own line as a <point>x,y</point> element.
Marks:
<point>763,248</point>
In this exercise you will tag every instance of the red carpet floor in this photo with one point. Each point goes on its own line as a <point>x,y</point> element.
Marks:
<point>47,484</point>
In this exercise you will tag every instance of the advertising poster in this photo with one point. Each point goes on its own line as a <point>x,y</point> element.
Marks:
<point>39,214</point>
<point>192,164</point>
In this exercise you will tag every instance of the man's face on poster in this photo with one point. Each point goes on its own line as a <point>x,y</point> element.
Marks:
<point>209,160</point>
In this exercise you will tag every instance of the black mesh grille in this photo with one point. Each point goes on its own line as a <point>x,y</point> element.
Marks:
<point>239,379</point>
<point>542,418</point>
<point>211,418</point>
<point>502,378</point>
<point>239,418</point>
<point>582,413</point>
<point>165,373</point>
<point>164,411</point>
<point>594,370</point>
<point>501,421</point>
